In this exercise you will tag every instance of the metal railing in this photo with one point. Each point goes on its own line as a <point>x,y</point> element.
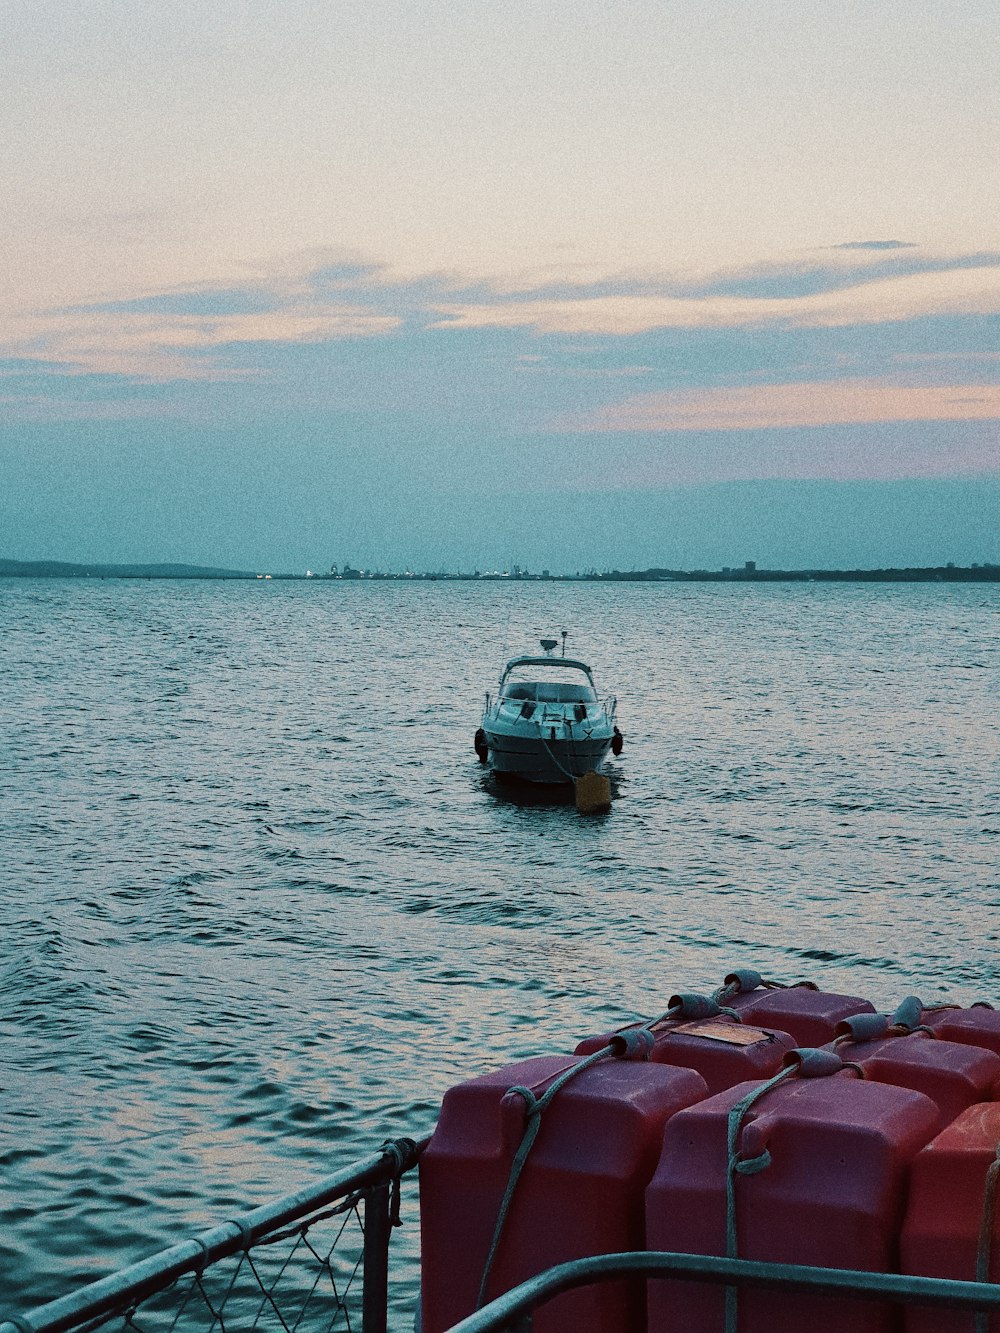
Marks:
<point>511,1312</point>
<point>317,1259</point>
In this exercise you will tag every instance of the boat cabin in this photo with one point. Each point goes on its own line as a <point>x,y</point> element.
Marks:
<point>559,680</point>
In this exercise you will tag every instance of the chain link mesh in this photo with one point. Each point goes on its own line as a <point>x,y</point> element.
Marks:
<point>296,1265</point>
<point>305,1279</point>
<point>316,1261</point>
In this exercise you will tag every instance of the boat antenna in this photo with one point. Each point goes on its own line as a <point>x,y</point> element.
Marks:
<point>564,634</point>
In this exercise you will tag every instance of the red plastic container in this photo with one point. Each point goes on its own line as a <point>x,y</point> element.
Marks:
<point>833,1195</point>
<point>809,1015</point>
<point>580,1193</point>
<point>721,1050</point>
<point>953,1076</point>
<point>977,1026</point>
<point>941,1229</point>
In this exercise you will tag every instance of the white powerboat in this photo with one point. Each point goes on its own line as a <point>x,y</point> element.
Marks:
<point>546,722</point>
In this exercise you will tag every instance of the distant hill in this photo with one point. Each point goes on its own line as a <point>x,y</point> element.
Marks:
<point>58,569</point>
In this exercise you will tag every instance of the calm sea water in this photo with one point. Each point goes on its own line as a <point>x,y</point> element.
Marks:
<point>260,905</point>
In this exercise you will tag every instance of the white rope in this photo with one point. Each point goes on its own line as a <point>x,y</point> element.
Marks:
<point>571,776</point>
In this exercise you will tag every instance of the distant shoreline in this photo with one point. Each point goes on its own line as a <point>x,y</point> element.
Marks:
<point>52,569</point>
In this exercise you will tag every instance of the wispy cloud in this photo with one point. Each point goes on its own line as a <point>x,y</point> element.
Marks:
<point>832,269</point>
<point>781,406</point>
<point>837,269</point>
<point>156,346</point>
<point>871,300</point>
<point>876,245</point>
<point>629,322</point>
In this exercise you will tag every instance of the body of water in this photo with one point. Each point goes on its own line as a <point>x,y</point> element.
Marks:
<point>260,905</point>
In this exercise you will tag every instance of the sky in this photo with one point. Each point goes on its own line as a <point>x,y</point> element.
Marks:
<point>441,284</point>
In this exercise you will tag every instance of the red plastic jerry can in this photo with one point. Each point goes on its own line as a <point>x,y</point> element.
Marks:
<point>833,1155</point>
<point>809,1015</point>
<point>952,1075</point>
<point>945,1210</point>
<point>580,1191</point>
<point>720,1049</point>
<point>976,1026</point>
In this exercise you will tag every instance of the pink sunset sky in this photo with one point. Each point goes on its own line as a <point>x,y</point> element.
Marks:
<point>420,252</point>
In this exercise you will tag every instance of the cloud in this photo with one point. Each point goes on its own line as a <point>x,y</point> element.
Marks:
<point>876,245</point>
<point>812,273</point>
<point>155,347</point>
<point>837,271</point>
<point>635,322</point>
<point>320,297</point>
<point>198,303</point>
<point>20,367</point>
<point>959,291</point>
<point>782,406</point>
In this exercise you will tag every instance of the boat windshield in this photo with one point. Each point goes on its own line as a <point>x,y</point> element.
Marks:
<point>558,686</point>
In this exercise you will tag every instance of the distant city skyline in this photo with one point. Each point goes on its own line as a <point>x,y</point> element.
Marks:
<point>452,285</point>
<point>748,571</point>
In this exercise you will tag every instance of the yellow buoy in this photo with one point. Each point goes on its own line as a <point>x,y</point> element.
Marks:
<point>593,793</point>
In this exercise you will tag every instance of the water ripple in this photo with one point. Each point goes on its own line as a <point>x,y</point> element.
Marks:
<point>262,905</point>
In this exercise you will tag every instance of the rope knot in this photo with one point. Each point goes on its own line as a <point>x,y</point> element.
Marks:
<point>403,1153</point>
<point>749,1166</point>
<point>531,1102</point>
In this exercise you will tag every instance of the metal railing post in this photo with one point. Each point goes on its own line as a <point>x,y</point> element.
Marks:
<point>375,1296</point>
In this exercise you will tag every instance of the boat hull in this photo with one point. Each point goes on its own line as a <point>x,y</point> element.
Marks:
<point>540,759</point>
<point>546,723</point>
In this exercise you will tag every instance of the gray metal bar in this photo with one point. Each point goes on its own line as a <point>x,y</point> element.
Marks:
<point>110,1294</point>
<point>375,1293</point>
<point>512,1306</point>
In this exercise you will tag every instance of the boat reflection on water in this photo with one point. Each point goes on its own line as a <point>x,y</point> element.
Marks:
<point>510,790</point>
